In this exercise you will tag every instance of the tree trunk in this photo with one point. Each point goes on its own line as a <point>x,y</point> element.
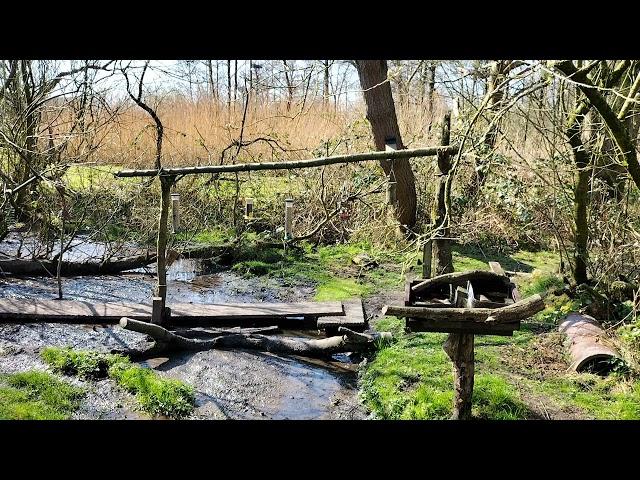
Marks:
<point>325,88</point>
<point>443,261</point>
<point>381,114</point>
<point>459,348</point>
<point>229,86</point>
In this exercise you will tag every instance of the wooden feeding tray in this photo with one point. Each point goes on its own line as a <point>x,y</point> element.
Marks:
<point>476,290</point>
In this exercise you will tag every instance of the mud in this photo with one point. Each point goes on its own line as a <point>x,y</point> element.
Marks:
<point>228,384</point>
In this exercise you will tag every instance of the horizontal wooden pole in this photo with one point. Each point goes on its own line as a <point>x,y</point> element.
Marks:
<point>294,164</point>
<point>517,311</point>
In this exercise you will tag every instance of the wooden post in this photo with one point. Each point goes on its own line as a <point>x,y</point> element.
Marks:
<point>427,250</point>
<point>288,218</point>
<point>248,208</point>
<point>165,198</point>
<point>391,145</point>
<point>459,348</point>
<point>157,312</point>
<point>175,210</point>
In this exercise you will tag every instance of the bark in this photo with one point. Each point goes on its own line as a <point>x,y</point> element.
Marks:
<point>19,266</point>
<point>581,192</point>
<point>460,279</point>
<point>459,348</point>
<point>616,128</point>
<point>325,87</point>
<point>165,341</point>
<point>517,311</point>
<point>293,164</point>
<point>229,86</point>
<point>381,114</point>
<point>443,261</point>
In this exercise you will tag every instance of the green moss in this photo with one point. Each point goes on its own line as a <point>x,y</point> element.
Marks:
<point>156,395</point>
<point>35,395</point>
<point>83,363</point>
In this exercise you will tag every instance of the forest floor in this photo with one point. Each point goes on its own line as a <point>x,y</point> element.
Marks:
<point>519,377</point>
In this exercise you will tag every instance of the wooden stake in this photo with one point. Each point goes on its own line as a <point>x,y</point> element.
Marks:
<point>157,312</point>
<point>248,208</point>
<point>165,198</point>
<point>288,218</point>
<point>426,259</point>
<point>175,210</point>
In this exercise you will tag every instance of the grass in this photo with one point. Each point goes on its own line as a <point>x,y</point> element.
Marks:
<point>155,394</point>
<point>412,378</point>
<point>36,395</point>
<point>329,267</point>
<point>87,364</point>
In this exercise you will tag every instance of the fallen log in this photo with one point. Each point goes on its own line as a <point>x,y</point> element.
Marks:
<point>460,279</point>
<point>20,266</point>
<point>517,311</point>
<point>197,332</point>
<point>589,348</point>
<point>164,341</point>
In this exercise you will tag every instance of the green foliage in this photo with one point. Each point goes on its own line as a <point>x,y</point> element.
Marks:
<point>156,395</point>
<point>86,364</point>
<point>541,282</point>
<point>35,395</point>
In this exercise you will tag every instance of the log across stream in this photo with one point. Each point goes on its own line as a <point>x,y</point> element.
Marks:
<point>238,384</point>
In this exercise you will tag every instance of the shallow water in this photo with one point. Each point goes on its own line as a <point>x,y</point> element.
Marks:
<point>229,384</point>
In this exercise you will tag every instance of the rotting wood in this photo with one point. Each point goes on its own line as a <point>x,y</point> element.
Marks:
<point>496,268</point>
<point>20,266</point>
<point>460,349</point>
<point>461,278</point>
<point>14,310</point>
<point>353,318</point>
<point>294,164</point>
<point>518,311</point>
<point>165,340</point>
<point>216,332</point>
<point>453,326</point>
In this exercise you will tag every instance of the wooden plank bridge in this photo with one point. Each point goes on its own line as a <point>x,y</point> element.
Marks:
<point>308,315</point>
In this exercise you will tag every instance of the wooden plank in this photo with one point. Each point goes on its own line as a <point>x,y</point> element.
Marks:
<point>71,311</point>
<point>353,317</point>
<point>496,268</point>
<point>452,326</point>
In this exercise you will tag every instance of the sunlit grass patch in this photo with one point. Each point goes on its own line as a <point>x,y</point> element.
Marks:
<point>156,395</point>
<point>36,395</point>
<point>83,363</point>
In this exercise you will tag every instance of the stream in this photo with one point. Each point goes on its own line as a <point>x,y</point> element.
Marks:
<point>234,384</point>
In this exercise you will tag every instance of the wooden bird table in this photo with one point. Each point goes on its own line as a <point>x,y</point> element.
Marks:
<point>465,304</point>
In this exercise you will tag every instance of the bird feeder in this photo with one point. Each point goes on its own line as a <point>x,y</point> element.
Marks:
<point>391,145</point>
<point>175,209</point>
<point>248,208</point>
<point>288,217</point>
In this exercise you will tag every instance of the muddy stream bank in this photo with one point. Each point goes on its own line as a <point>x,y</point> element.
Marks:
<point>228,384</point>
